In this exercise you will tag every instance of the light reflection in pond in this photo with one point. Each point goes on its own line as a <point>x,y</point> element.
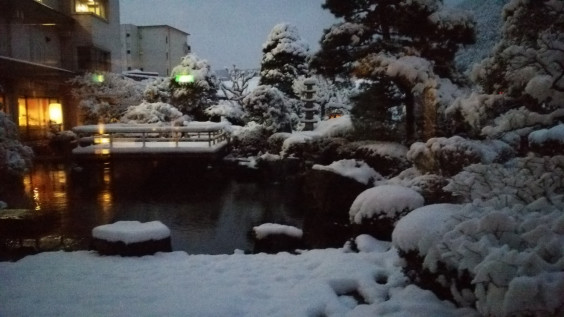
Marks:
<point>207,211</point>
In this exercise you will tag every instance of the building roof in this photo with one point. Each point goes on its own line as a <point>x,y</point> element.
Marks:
<point>13,67</point>
<point>162,26</point>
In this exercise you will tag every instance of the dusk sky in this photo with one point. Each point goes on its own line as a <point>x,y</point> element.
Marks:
<point>231,32</point>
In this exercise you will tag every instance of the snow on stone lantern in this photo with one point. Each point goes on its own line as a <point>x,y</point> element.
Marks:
<point>309,105</point>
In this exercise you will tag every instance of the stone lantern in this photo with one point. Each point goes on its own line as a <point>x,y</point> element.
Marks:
<point>309,105</point>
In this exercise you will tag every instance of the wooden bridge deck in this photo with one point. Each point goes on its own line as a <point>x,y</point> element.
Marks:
<point>197,140</point>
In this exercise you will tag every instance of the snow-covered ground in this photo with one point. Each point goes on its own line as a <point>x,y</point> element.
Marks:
<point>313,283</point>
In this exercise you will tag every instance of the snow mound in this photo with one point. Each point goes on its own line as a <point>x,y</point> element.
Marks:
<point>386,201</point>
<point>423,227</point>
<point>354,169</point>
<point>131,231</point>
<point>267,229</point>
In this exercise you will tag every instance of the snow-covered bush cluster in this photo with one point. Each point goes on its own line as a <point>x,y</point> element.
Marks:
<point>146,112</point>
<point>267,105</point>
<point>15,158</point>
<point>448,156</point>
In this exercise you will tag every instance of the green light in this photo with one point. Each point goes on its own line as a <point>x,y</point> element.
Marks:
<point>98,78</point>
<point>183,79</point>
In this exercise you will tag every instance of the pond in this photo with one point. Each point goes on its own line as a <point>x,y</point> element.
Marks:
<point>206,208</point>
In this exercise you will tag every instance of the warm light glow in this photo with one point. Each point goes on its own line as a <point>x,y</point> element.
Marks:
<point>102,151</point>
<point>183,79</point>
<point>56,113</point>
<point>101,128</point>
<point>36,199</point>
<point>101,140</point>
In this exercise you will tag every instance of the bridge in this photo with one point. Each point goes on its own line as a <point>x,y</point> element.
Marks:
<point>204,140</point>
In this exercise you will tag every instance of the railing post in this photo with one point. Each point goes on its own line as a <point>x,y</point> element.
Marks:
<point>111,140</point>
<point>143,138</point>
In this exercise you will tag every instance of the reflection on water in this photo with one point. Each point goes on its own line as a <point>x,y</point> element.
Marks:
<point>207,211</point>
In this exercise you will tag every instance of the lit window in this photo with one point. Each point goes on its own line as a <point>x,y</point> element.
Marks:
<point>97,7</point>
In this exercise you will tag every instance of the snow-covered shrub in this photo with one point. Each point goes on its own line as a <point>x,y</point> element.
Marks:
<point>15,158</point>
<point>354,169</point>
<point>157,90</point>
<point>249,140</point>
<point>147,112</point>
<point>276,141</point>
<point>377,210</point>
<point>267,105</point>
<point>520,181</point>
<point>387,158</point>
<point>228,109</point>
<point>105,97</point>
<point>486,253</point>
<point>430,186</point>
<point>448,156</point>
<point>548,141</point>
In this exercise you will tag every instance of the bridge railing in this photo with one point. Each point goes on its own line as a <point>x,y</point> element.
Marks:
<point>116,135</point>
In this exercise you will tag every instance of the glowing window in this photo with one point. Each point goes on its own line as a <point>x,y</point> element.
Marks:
<point>97,7</point>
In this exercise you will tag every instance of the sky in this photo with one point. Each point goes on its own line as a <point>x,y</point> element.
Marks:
<point>231,32</point>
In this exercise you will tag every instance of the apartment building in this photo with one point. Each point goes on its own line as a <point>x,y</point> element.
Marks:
<point>43,43</point>
<point>153,48</point>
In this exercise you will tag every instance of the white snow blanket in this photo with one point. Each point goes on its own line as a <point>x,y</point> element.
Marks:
<point>314,283</point>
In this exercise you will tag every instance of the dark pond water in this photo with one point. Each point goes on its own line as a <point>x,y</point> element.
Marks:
<point>207,210</point>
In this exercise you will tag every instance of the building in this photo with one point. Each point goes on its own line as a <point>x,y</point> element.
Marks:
<point>153,48</point>
<point>43,43</point>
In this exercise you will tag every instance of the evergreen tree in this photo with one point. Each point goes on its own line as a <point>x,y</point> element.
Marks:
<point>528,63</point>
<point>285,58</point>
<point>193,86</point>
<point>266,105</point>
<point>411,42</point>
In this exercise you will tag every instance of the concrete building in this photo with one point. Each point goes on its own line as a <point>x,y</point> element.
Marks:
<point>43,43</point>
<point>153,48</point>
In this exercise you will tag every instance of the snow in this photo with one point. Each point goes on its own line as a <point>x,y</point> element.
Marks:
<point>555,133</point>
<point>267,229</point>
<point>423,227</point>
<point>357,170</point>
<point>387,201</point>
<point>131,231</point>
<point>313,283</point>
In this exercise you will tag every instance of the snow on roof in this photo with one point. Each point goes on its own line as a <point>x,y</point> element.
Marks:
<point>385,200</point>
<point>313,283</point>
<point>421,228</point>
<point>357,170</point>
<point>131,231</point>
<point>267,229</point>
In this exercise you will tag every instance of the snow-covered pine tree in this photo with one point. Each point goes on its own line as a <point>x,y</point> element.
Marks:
<point>411,42</point>
<point>193,86</point>
<point>487,14</point>
<point>15,158</point>
<point>528,63</point>
<point>285,58</point>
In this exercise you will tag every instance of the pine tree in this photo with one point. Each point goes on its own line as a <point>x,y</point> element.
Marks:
<point>528,63</point>
<point>193,86</point>
<point>285,58</point>
<point>410,42</point>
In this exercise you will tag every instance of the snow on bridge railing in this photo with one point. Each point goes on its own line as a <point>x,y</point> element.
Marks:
<point>118,134</point>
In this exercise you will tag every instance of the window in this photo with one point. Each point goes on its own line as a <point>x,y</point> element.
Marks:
<point>128,51</point>
<point>127,35</point>
<point>37,115</point>
<point>93,59</point>
<point>96,7</point>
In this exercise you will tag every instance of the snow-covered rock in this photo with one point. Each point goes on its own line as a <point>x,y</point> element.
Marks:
<point>354,169</point>
<point>384,202</point>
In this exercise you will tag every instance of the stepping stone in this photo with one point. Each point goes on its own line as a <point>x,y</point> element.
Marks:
<point>131,238</point>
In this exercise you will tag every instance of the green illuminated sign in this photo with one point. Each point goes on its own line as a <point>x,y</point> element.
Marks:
<point>183,79</point>
<point>98,78</point>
